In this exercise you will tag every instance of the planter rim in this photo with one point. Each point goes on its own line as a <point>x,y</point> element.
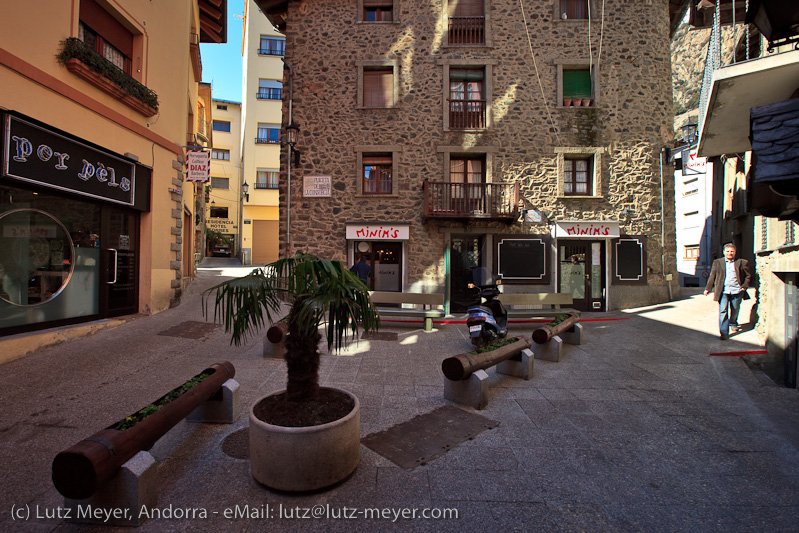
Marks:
<point>307,429</point>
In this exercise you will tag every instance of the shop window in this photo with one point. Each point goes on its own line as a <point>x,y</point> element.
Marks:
<point>271,46</point>
<point>466,22</point>
<point>629,260</point>
<point>376,10</point>
<point>220,183</point>
<point>377,169</point>
<point>221,125</point>
<point>377,83</point>
<point>577,83</point>
<point>223,155</point>
<point>522,259</point>
<point>218,212</point>
<point>579,172</point>
<point>266,179</point>
<point>572,9</point>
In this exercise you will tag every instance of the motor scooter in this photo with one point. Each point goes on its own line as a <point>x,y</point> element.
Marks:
<point>488,319</point>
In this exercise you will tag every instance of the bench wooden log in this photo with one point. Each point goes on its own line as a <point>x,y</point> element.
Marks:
<point>432,305</point>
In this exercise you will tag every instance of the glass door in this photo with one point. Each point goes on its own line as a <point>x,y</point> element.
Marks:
<point>119,262</point>
<point>465,255</point>
<point>581,273</point>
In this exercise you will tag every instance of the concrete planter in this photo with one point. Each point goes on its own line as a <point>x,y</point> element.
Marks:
<point>299,459</point>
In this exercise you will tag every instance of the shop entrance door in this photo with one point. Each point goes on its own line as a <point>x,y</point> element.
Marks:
<point>465,255</point>
<point>387,266</point>
<point>119,258</point>
<point>581,273</point>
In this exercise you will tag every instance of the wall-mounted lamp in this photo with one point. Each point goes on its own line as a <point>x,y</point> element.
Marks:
<point>245,189</point>
<point>688,132</point>
<point>292,133</point>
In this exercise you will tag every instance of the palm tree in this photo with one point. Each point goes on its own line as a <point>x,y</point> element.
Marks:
<point>319,292</point>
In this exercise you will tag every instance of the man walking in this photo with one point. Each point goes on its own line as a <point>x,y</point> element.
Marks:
<point>729,278</point>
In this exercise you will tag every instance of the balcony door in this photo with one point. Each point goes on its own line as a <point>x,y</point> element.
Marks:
<point>467,176</point>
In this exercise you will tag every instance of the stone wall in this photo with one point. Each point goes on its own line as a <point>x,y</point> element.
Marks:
<point>631,122</point>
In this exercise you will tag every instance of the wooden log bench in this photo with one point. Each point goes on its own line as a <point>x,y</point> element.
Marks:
<point>419,305</point>
<point>537,304</point>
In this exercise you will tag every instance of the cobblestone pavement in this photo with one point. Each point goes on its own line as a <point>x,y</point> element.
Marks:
<point>638,428</point>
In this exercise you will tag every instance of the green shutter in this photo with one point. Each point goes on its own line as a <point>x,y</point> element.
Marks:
<point>577,84</point>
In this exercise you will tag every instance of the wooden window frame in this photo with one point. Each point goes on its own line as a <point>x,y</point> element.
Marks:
<point>560,10</point>
<point>580,152</point>
<point>563,65</point>
<point>380,65</point>
<point>488,87</point>
<point>383,169</point>
<point>570,170</point>
<point>270,184</point>
<point>364,152</point>
<point>487,33</point>
<point>125,34</point>
<point>383,5</point>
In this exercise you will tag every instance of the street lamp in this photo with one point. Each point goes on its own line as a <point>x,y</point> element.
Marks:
<point>688,131</point>
<point>292,132</point>
<point>245,188</point>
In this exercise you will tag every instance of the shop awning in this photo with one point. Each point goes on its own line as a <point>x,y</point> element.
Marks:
<point>738,88</point>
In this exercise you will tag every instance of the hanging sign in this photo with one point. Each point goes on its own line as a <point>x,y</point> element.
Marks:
<point>198,166</point>
<point>692,164</point>
<point>582,228</point>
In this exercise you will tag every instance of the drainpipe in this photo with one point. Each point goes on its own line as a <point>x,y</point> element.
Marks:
<point>288,167</point>
<point>663,225</point>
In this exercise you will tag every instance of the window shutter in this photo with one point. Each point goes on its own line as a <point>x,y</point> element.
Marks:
<point>378,88</point>
<point>577,84</point>
<point>377,160</point>
<point>101,21</point>
<point>465,8</point>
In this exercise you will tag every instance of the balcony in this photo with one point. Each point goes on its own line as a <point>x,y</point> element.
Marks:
<point>467,114</point>
<point>269,94</point>
<point>266,140</point>
<point>466,30</point>
<point>498,201</point>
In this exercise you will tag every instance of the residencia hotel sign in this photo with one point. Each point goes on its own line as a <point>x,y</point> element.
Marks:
<point>582,229</point>
<point>37,155</point>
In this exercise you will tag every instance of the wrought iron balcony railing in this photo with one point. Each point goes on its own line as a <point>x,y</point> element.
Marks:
<point>471,200</point>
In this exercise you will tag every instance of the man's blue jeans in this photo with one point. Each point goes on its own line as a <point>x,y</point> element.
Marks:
<point>729,305</point>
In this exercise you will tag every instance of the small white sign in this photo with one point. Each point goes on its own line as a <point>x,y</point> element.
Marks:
<point>692,164</point>
<point>316,186</point>
<point>198,166</point>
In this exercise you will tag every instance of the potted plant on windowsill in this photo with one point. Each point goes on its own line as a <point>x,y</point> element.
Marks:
<point>306,437</point>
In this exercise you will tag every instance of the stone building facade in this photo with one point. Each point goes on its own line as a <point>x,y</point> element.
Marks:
<point>528,138</point>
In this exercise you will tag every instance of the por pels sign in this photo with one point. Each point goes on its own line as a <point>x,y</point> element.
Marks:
<point>198,165</point>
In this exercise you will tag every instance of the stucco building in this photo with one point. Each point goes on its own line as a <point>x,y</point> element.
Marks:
<point>99,101</point>
<point>262,88</point>
<point>223,205</point>
<point>440,136</point>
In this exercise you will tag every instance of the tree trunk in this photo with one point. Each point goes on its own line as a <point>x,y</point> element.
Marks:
<point>302,360</point>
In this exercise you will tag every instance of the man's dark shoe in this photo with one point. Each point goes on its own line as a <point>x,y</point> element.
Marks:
<point>724,337</point>
<point>735,329</point>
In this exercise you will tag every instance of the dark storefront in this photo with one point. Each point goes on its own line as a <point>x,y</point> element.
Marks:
<point>69,228</point>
